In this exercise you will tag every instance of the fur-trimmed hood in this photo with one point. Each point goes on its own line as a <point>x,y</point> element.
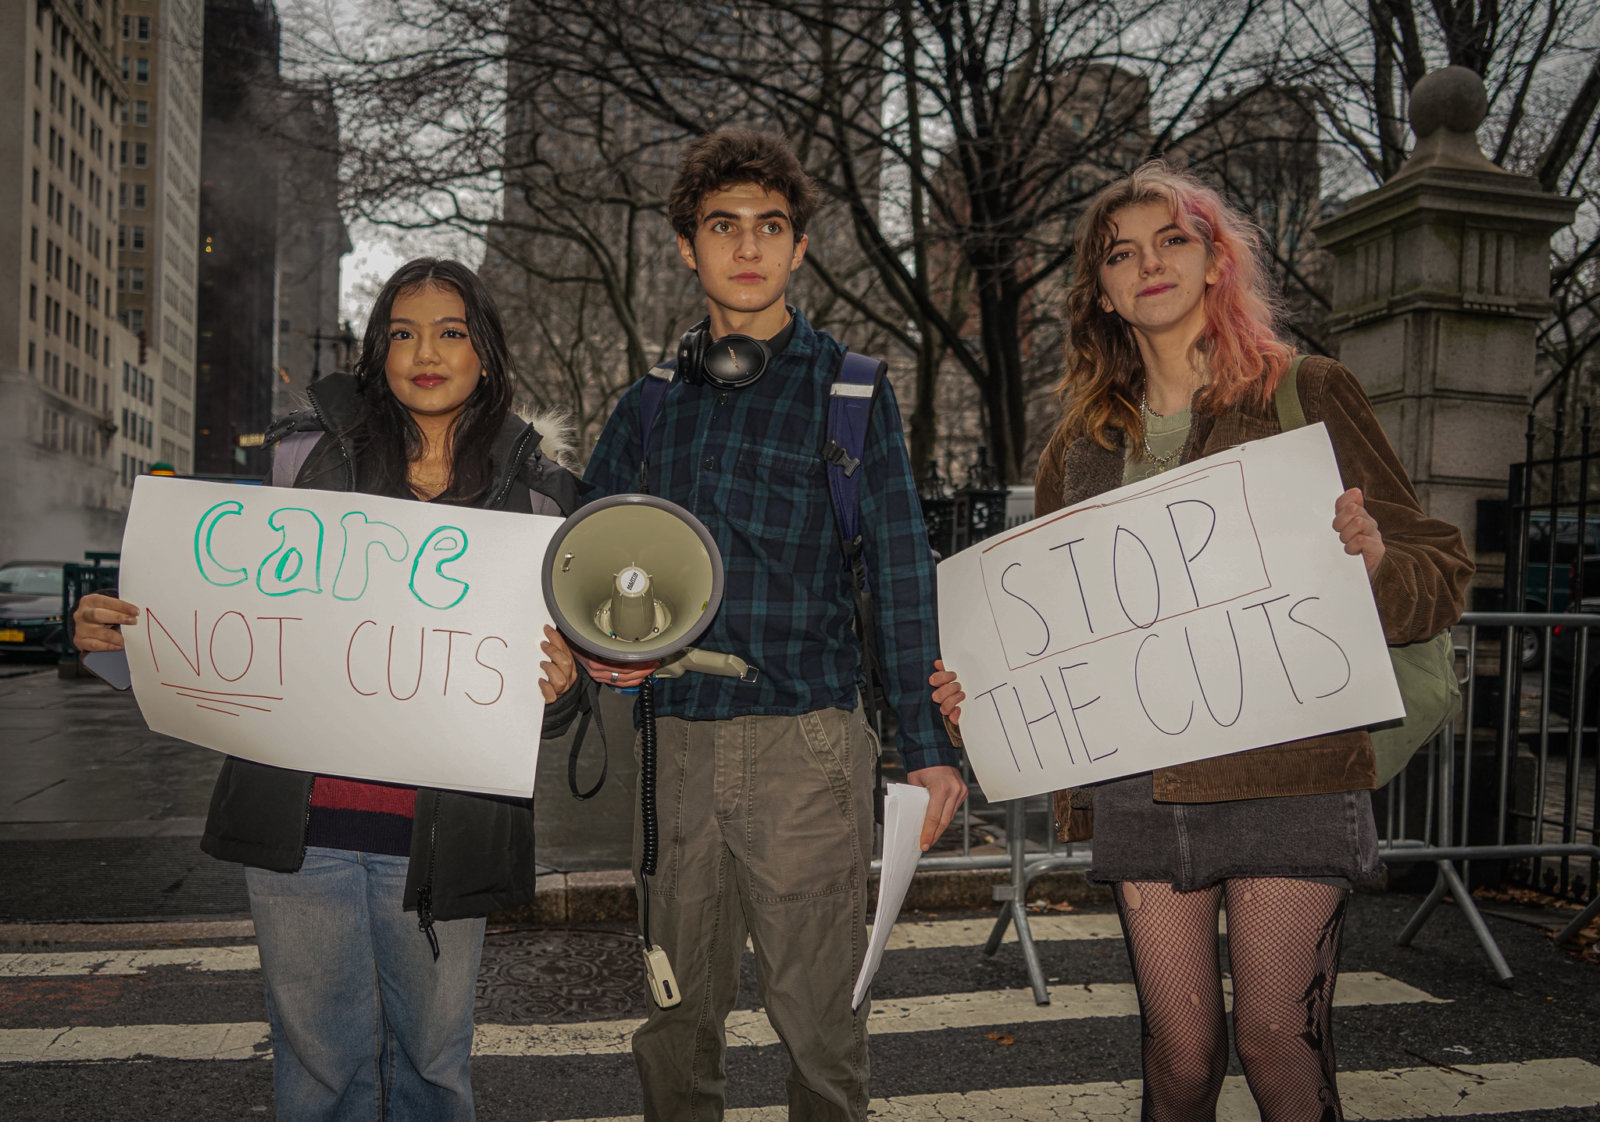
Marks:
<point>557,438</point>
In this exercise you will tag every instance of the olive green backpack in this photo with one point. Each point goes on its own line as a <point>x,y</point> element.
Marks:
<point>1425,671</point>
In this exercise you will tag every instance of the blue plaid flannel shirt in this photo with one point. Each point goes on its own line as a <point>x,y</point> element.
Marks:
<point>748,464</point>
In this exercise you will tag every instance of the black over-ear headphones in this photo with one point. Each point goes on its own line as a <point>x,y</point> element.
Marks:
<point>729,363</point>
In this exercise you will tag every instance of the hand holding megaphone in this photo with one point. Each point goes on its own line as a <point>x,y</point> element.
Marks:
<point>620,675</point>
<point>632,581</point>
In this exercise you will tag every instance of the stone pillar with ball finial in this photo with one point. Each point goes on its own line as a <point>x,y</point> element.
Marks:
<point>1441,278</point>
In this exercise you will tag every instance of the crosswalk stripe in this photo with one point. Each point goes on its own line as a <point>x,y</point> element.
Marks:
<point>975,932</point>
<point>246,1040</point>
<point>906,936</point>
<point>1402,1093</point>
<point>1405,1093</point>
<point>746,1027</point>
<point>71,963</point>
<point>932,1013</point>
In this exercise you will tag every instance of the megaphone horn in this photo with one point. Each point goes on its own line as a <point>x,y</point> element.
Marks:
<point>633,578</point>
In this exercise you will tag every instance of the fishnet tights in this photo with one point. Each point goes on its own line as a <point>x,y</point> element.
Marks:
<point>1283,950</point>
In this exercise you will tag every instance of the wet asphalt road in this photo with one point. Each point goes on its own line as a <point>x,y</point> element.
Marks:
<point>100,822</point>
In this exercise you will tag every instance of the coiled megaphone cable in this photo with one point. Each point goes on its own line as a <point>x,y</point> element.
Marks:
<point>658,970</point>
<point>650,849</point>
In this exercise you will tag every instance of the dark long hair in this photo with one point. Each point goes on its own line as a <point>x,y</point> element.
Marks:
<point>385,437</point>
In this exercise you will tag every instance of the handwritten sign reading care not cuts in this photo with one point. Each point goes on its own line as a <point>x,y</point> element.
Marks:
<point>341,634</point>
<point>1209,610</point>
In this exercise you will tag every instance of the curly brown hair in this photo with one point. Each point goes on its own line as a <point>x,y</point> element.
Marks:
<point>724,159</point>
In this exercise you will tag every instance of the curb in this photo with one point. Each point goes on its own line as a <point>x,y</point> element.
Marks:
<point>607,896</point>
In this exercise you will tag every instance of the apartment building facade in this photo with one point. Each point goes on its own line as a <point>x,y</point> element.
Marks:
<point>60,341</point>
<point>158,242</point>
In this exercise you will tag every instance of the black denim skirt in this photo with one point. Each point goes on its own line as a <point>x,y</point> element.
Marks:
<point>1193,845</point>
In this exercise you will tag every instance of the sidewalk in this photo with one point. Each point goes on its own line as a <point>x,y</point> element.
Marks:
<point>100,820</point>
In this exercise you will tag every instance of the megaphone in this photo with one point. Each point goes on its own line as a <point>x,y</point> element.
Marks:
<point>635,578</point>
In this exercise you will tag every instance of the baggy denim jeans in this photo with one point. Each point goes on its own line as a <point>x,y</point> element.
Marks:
<point>766,833</point>
<point>366,1026</point>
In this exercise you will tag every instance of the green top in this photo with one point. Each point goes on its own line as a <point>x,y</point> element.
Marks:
<point>1165,434</point>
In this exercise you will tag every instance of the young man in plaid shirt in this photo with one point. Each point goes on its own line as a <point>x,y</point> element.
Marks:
<point>765,786</point>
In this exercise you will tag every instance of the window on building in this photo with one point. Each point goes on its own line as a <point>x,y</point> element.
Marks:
<point>136,279</point>
<point>141,112</point>
<point>140,196</point>
<point>33,246</point>
<point>141,70</point>
<point>141,154</point>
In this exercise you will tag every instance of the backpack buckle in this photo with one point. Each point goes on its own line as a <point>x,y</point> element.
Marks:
<point>836,455</point>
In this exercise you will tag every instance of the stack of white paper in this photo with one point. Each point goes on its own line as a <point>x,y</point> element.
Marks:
<point>904,808</point>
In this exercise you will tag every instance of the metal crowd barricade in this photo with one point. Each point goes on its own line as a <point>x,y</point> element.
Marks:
<point>1450,833</point>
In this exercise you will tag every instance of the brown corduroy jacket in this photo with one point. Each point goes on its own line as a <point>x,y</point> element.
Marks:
<point>1419,585</point>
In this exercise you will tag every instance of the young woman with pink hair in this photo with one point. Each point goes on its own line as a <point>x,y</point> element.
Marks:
<point>1175,356</point>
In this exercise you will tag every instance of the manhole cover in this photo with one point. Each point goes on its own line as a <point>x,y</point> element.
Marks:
<point>560,975</point>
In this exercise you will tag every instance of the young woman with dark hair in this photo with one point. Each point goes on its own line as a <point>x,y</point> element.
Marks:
<point>1175,356</point>
<point>369,899</point>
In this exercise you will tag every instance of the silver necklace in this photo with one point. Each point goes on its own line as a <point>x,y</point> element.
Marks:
<point>1149,455</point>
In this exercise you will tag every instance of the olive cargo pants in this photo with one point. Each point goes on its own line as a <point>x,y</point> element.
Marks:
<point>766,833</point>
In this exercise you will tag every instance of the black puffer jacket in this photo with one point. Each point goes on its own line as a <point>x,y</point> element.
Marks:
<point>470,854</point>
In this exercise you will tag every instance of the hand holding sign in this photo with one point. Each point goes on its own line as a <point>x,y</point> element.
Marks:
<point>1206,611</point>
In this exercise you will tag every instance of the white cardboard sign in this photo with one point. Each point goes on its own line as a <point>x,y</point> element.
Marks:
<point>342,634</point>
<point>1209,610</point>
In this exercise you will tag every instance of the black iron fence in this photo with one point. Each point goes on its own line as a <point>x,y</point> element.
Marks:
<point>1544,703</point>
<point>959,516</point>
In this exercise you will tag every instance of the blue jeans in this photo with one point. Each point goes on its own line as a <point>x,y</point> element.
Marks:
<point>365,1024</point>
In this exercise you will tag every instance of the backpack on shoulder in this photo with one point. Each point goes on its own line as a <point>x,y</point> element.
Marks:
<point>1425,671</point>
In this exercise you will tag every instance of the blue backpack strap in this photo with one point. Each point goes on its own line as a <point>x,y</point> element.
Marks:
<point>656,381</point>
<point>850,400</point>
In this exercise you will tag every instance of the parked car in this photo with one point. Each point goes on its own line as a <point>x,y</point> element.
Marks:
<point>1564,671</point>
<point>31,607</point>
<point>1548,587</point>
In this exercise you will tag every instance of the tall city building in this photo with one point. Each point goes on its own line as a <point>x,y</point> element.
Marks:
<point>61,347</point>
<point>311,239</point>
<point>271,238</point>
<point>158,226</point>
<point>237,357</point>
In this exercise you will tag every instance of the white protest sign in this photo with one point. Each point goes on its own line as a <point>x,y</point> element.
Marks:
<point>341,634</point>
<point>1205,611</point>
